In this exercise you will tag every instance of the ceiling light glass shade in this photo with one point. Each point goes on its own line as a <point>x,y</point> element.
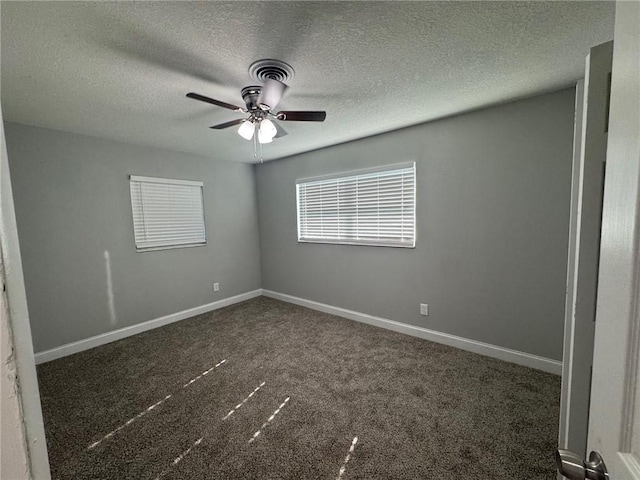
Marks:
<point>246,130</point>
<point>267,131</point>
<point>262,138</point>
<point>268,127</point>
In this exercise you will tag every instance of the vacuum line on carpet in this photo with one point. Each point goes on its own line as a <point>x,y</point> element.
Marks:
<point>128,422</point>
<point>144,412</point>
<point>206,372</point>
<point>197,442</point>
<point>343,468</point>
<point>269,420</point>
<point>244,401</point>
<point>178,458</point>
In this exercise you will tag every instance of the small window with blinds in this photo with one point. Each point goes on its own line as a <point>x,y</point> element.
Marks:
<point>167,213</point>
<point>369,207</point>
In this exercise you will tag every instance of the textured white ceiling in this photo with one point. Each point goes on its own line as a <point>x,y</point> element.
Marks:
<point>121,70</point>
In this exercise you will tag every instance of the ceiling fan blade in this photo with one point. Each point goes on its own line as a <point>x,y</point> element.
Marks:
<point>228,124</point>
<point>281,132</point>
<point>271,94</point>
<point>202,98</point>
<point>317,116</point>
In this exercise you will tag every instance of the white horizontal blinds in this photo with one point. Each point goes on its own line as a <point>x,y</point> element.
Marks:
<point>167,213</point>
<point>373,208</point>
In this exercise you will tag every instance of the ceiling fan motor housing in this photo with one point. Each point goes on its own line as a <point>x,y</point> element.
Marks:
<point>250,96</point>
<point>272,92</point>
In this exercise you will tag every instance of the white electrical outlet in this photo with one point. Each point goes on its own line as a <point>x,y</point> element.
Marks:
<point>216,287</point>
<point>424,309</point>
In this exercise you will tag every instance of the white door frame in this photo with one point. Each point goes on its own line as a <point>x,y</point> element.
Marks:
<point>18,326</point>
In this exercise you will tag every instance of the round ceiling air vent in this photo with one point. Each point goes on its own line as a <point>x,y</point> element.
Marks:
<point>268,68</point>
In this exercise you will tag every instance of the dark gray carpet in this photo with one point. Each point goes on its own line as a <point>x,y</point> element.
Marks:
<point>419,410</point>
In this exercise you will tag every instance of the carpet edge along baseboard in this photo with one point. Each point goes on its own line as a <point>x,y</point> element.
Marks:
<point>113,335</point>
<point>513,356</point>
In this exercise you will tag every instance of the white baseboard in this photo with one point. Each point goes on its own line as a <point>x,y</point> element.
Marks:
<point>513,356</point>
<point>108,337</point>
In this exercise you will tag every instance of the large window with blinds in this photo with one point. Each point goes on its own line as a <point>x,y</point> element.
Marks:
<point>167,213</point>
<point>367,207</point>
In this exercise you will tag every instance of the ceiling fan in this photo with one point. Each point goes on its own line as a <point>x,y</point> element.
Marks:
<point>260,102</point>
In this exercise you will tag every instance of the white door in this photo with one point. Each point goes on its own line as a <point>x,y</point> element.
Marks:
<point>614,413</point>
<point>590,153</point>
<point>614,416</point>
<point>614,420</point>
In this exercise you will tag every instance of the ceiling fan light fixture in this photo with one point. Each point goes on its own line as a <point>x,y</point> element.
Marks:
<point>267,131</point>
<point>268,127</point>
<point>247,130</point>
<point>264,139</point>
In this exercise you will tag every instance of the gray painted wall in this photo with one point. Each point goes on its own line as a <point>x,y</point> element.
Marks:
<point>73,205</point>
<point>493,193</point>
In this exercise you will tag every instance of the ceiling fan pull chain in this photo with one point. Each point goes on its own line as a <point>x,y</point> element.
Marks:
<point>255,142</point>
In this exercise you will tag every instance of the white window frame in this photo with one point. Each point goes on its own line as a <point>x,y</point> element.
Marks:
<point>362,235</point>
<point>142,225</point>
